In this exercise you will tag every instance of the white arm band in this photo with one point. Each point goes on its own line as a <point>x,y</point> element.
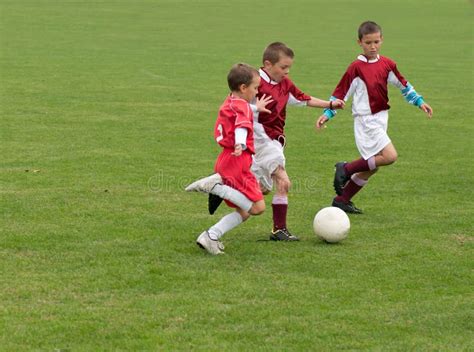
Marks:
<point>295,102</point>
<point>241,137</point>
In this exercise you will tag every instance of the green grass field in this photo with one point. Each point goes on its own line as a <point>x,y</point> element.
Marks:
<point>107,112</point>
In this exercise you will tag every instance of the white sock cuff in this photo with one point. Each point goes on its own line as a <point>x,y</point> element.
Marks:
<point>371,162</point>
<point>279,199</point>
<point>358,181</point>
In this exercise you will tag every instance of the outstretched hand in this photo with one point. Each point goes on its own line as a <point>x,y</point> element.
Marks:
<point>338,104</point>
<point>262,102</point>
<point>427,109</point>
<point>320,122</point>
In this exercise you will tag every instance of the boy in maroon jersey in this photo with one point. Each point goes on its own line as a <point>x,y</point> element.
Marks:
<point>234,133</point>
<point>366,79</point>
<point>270,139</point>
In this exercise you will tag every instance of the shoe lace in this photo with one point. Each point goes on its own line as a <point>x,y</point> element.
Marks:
<point>287,232</point>
<point>220,245</point>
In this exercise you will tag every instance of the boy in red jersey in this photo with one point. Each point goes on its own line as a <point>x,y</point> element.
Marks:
<point>366,79</point>
<point>234,133</point>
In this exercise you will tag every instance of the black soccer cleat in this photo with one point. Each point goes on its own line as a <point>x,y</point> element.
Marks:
<point>340,177</point>
<point>213,203</point>
<point>347,207</point>
<point>283,235</point>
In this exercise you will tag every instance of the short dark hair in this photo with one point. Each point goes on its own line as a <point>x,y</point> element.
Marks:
<point>239,74</point>
<point>369,27</point>
<point>273,52</point>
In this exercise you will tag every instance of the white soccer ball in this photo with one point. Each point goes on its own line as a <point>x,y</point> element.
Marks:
<point>331,224</point>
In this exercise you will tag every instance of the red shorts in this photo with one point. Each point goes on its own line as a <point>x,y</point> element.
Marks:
<point>235,172</point>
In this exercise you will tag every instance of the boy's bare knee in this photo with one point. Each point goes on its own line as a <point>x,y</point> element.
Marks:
<point>388,158</point>
<point>256,212</point>
<point>392,158</point>
<point>395,157</point>
<point>257,208</point>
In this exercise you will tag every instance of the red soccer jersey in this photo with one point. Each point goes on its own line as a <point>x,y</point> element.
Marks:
<point>234,113</point>
<point>236,173</point>
<point>367,81</point>
<point>282,93</point>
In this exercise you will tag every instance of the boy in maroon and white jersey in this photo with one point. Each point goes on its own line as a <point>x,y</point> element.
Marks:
<point>234,181</point>
<point>366,80</point>
<point>269,160</point>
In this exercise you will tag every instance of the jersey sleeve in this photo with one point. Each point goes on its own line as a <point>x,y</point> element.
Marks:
<point>344,85</point>
<point>409,93</point>
<point>344,89</point>
<point>296,96</point>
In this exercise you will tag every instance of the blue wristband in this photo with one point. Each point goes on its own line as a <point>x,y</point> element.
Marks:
<point>420,101</point>
<point>329,113</point>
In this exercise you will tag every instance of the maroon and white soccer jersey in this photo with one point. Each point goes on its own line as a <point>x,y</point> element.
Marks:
<point>366,80</point>
<point>283,93</point>
<point>234,113</point>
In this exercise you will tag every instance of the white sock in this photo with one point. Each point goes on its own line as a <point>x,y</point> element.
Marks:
<point>236,197</point>
<point>224,225</point>
<point>359,181</point>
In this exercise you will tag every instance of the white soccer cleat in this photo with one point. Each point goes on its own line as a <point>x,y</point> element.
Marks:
<point>212,246</point>
<point>204,184</point>
<point>220,245</point>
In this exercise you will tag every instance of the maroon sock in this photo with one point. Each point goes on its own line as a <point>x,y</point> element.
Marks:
<point>348,192</point>
<point>356,166</point>
<point>279,215</point>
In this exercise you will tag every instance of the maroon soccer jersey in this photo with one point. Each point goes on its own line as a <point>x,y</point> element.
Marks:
<point>367,81</point>
<point>282,93</point>
<point>234,113</point>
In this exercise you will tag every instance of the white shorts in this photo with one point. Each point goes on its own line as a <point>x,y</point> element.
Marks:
<point>268,157</point>
<point>370,133</point>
